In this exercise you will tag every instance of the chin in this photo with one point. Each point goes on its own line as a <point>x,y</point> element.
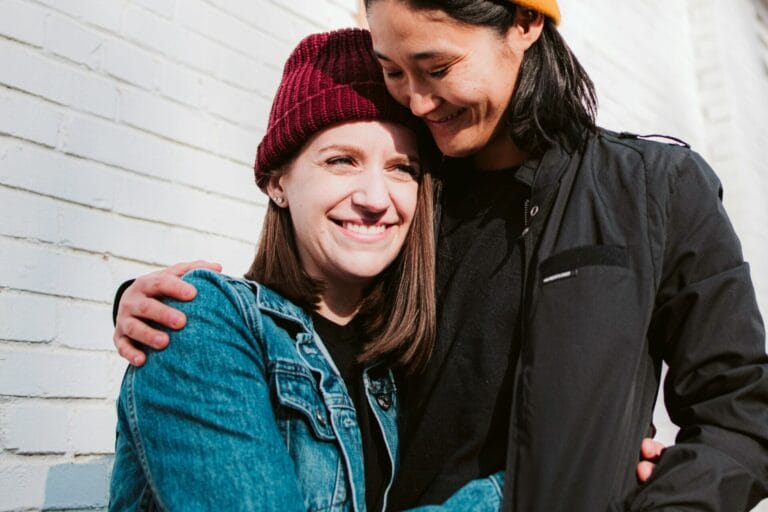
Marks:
<point>455,147</point>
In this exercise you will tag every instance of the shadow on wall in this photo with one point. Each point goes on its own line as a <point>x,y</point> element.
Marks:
<point>83,486</point>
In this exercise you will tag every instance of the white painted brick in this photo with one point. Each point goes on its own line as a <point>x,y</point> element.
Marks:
<point>134,65</point>
<point>92,429</point>
<point>51,485</point>
<point>269,17</point>
<point>237,143</point>
<point>181,84</point>
<point>28,117</point>
<point>23,21</point>
<point>40,219</point>
<point>324,14</point>
<point>166,118</point>
<point>88,277</point>
<point>152,31</point>
<point>35,428</point>
<point>22,485</point>
<point>32,72</point>
<point>237,106</point>
<point>37,169</point>
<point>96,12</point>
<point>95,231</point>
<point>164,8</point>
<point>43,373</point>
<point>27,317</point>
<point>227,30</point>
<point>241,70</point>
<point>84,325</point>
<point>134,150</point>
<point>70,39</point>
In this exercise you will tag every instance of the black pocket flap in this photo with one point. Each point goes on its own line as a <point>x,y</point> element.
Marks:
<point>569,261</point>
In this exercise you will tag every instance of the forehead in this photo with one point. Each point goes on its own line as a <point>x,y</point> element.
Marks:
<point>397,28</point>
<point>367,136</point>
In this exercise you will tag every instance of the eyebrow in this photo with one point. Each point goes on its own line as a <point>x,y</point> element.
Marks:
<point>431,54</point>
<point>356,151</point>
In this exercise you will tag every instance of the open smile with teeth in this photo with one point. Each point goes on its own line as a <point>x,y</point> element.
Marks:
<point>365,229</point>
<point>448,117</point>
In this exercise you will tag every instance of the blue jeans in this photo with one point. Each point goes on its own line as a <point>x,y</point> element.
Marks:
<point>245,411</point>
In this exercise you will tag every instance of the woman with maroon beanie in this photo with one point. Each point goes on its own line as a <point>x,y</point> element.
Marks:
<point>279,392</point>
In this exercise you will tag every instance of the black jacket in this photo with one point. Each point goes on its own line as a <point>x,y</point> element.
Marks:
<point>630,261</point>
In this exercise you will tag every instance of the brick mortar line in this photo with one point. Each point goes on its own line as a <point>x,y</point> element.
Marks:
<point>124,37</point>
<point>149,220</point>
<point>65,112</point>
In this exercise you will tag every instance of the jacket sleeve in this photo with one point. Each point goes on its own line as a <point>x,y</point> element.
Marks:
<point>197,422</point>
<point>479,495</point>
<point>707,326</point>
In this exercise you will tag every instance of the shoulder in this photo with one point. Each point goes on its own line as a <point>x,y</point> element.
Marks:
<point>251,298</point>
<point>664,160</point>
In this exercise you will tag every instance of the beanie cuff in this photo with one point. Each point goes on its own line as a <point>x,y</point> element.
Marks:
<point>548,8</point>
<point>292,130</point>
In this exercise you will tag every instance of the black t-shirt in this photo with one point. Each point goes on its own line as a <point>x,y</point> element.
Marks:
<point>457,413</point>
<point>345,343</point>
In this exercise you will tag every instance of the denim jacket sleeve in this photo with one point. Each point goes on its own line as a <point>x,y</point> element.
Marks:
<point>204,435</point>
<point>481,495</point>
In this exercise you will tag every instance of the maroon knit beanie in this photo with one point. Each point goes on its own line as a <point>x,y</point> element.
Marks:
<point>329,78</point>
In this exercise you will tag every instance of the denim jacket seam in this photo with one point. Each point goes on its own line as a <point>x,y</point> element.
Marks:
<point>133,423</point>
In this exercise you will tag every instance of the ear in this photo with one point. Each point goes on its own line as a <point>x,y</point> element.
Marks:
<point>526,29</point>
<point>276,190</point>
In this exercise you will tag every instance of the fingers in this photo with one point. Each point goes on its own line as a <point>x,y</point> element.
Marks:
<point>139,306</point>
<point>650,453</point>
<point>128,351</point>
<point>644,470</point>
<point>182,268</point>
<point>651,450</point>
<point>139,332</point>
<point>164,283</point>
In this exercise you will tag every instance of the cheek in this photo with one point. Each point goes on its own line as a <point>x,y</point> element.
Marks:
<point>406,200</point>
<point>399,91</point>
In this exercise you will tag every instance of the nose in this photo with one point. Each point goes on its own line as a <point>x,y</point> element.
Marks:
<point>372,193</point>
<point>422,102</point>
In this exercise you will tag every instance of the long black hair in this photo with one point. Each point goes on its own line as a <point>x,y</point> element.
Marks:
<point>554,100</point>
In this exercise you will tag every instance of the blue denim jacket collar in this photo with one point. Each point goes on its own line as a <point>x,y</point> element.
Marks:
<point>378,382</point>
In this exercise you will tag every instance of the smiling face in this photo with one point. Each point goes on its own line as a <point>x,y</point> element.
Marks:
<point>458,77</point>
<point>351,192</point>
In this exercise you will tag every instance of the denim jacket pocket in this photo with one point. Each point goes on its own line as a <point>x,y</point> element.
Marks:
<point>296,389</point>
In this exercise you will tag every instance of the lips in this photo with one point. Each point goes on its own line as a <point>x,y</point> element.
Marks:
<point>447,118</point>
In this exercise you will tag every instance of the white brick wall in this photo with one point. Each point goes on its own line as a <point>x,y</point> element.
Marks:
<point>127,132</point>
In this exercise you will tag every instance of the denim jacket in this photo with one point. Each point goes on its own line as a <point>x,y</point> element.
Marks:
<point>245,410</point>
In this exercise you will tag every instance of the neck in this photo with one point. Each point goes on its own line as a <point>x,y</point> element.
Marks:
<point>500,153</point>
<point>340,305</point>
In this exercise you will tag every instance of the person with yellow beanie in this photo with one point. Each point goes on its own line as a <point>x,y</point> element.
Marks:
<point>572,262</point>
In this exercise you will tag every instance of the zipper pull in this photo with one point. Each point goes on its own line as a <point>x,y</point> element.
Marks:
<point>526,213</point>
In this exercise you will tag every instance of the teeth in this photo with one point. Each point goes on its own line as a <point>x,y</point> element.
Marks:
<point>448,118</point>
<point>365,229</point>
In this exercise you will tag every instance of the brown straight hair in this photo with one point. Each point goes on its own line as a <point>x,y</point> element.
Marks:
<point>398,314</point>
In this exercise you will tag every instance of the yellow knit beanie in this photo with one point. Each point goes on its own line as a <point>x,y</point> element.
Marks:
<point>545,7</point>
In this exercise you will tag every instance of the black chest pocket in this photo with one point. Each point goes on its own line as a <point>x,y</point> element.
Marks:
<point>567,263</point>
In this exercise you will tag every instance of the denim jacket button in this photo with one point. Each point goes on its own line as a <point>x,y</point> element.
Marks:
<point>384,401</point>
<point>320,418</point>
